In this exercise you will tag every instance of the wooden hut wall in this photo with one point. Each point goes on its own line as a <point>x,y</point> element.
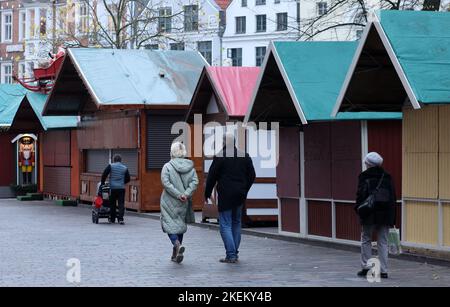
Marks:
<point>420,175</point>
<point>99,139</point>
<point>426,179</point>
<point>7,165</point>
<point>56,159</point>
<point>332,165</point>
<point>288,179</point>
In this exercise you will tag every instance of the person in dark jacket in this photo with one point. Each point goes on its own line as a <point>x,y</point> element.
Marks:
<point>118,178</point>
<point>383,216</point>
<point>233,172</point>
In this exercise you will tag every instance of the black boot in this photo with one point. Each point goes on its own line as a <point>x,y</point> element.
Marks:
<point>174,254</point>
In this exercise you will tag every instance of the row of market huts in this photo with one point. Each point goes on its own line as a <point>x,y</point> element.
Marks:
<point>334,102</point>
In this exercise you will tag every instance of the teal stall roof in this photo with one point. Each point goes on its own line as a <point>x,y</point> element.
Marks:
<point>315,72</point>
<point>13,95</point>
<point>10,97</point>
<point>420,41</point>
<point>121,77</point>
<point>37,102</point>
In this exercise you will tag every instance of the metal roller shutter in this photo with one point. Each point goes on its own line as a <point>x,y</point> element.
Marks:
<point>129,158</point>
<point>159,139</point>
<point>96,160</point>
<point>57,180</point>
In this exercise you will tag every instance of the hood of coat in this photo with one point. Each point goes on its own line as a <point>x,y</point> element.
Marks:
<point>182,165</point>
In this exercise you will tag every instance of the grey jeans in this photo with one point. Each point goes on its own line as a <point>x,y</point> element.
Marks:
<point>382,245</point>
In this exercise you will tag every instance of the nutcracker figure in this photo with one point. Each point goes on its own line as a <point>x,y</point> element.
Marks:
<point>26,158</point>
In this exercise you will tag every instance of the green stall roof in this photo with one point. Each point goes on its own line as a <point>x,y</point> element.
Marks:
<point>420,41</point>
<point>316,72</point>
<point>12,96</point>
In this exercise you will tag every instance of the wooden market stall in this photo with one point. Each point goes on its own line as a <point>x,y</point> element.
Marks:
<point>320,158</point>
<point>222,96</point>
<point>53,167</point>
<point>10,96</point>
<point>398,68</point>
<point>128,101</point>
<point>57,153</point>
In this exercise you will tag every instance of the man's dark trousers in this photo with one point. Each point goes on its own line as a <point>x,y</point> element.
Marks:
<point>117,196</point>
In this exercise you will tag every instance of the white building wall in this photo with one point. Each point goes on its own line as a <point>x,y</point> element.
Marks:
<point>252,39</point>
<point>208,28</point>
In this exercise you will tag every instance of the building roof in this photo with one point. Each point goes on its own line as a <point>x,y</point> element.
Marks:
<point>15,99</point>
<point>417,43</point>
<point>223,4</point>
<point>235,86</point>
<point>125,78</point>
<point>313,73</point>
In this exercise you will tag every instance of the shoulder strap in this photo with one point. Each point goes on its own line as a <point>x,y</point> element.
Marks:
<point>380,182</point>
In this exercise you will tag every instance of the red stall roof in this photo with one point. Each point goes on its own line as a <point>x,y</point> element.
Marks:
<point>235,86</point>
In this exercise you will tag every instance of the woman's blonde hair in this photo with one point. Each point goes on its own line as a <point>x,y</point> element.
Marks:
<point>178,150</point>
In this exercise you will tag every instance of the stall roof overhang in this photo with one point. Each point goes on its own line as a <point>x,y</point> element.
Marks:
<point>300,82</point>
<point>112,78</point>
<point>403,57</point>
<point>232,88</point>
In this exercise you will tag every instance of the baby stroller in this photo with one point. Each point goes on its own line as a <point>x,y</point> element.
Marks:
<point>101,206</point>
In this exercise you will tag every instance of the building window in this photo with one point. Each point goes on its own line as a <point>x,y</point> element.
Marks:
<point>7,26</point>
<point>113,12</point>
<point>165,20</point>
<point>282,21</point>
<point>243,3</point>
<point>177,46</point>
<point>6,73</point>
<point>277,1</point>
<point>83,18</point>
<point>260,23</point>
<point>322,8</point>
<point>205,49</point>
<point>235,54</point>
<point>22,25</point>
<point>190,18</point>
<point>358,34</point>
<point>260,2</point>
<point>260,53</point>
<point>151,47</point>
<point>240,25</point>
<point>43,22</point>
<point>22,70</point>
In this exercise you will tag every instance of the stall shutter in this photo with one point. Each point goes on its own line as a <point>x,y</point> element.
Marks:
<point>57,180</point>
<point>129,158</point>
<point>96,160</point>
<point>159,139</point>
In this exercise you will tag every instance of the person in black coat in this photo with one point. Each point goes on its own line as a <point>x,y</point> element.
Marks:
<point>233,172</point>
<point>382,217</point>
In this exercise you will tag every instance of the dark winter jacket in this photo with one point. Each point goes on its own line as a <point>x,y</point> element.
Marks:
<point>384,213</point>
<point>234,177</point>
<point>118,176</point>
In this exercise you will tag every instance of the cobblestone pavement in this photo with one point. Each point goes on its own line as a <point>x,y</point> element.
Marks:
<point>37,238</point>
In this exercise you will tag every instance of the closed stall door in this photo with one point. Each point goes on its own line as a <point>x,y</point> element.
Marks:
<point>288,179</point>
<point>56,159</point>
<point>7,165</point>
<point>160,138</point>
<point>346,159</point>
<point>318,161</point>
